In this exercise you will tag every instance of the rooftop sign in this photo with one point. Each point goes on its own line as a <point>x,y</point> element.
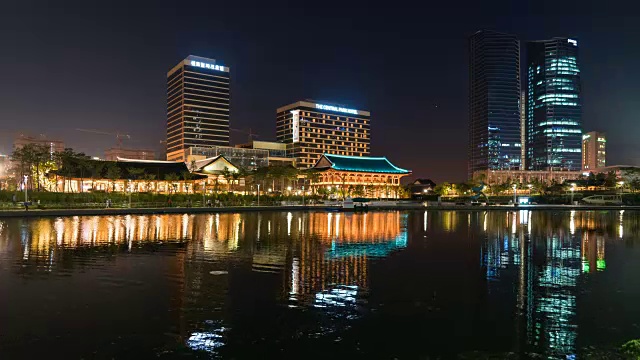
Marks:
<point>207,66</point>
<point>336,108</point>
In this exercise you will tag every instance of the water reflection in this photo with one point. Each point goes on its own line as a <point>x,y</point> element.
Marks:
<point>225,271</point>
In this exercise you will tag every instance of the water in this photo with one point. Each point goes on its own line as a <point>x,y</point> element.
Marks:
<point>423,284</point>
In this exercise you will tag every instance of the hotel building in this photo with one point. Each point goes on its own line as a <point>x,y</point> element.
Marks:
<point>594,151</point>
<point>311,129</point>
<point>554,105</point>
<point>197,106</point>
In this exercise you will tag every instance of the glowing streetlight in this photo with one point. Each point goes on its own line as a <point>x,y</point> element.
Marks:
<point>514,186</point>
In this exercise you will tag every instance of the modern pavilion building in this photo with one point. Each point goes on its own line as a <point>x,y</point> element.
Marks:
<point>554,106</point>
<point>374,177</point>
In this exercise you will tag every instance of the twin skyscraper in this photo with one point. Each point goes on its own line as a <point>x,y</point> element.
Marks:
<point>535,124</point>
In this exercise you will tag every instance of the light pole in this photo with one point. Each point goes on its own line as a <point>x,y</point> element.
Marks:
<point>204,192</point>
<point>302,195</point>
<point>26,179</point>
<point>258,194</point>
<point>529,186</point>
<point>621,183</point>
<point>514,186</point>
<point>129,193</point>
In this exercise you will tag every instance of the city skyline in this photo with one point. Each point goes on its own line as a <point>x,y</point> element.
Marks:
<point>422,101</point>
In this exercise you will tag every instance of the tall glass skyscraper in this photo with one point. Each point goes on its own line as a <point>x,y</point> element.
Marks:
<point>554,106</point>
<point>494,102</point>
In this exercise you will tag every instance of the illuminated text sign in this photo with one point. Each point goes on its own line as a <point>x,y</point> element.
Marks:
<point>336,108</point>
<point>207,66</point>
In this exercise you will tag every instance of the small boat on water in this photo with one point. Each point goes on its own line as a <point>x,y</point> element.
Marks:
<point>603,200</point>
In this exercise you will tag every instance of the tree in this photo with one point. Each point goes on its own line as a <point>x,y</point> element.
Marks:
<point>186,176</point>
<point>96,172</point>
<point>313,175</point>
<point>135,173</point>
<point>148,179</point>
<point>442,188</point>
<point>171,179</point>
<point>226,173</point>
<point>113,173</point>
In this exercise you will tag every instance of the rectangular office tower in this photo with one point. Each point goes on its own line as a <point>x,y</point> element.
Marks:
<point>554,107</point>
<point>197,106</point>
<point>494,102</point>
<point>594,150</point>
<point>311,129</point>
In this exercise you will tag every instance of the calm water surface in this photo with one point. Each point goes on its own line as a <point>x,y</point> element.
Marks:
<point>435,284</point>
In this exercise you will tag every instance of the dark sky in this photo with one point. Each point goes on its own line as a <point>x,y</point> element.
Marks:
<point>102,65</point>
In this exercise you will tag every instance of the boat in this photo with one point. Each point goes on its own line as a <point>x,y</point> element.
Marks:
<point>347,204</point>
<point>603,200</point>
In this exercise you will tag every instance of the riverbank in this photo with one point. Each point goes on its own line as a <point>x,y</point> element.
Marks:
<point>235,209</point>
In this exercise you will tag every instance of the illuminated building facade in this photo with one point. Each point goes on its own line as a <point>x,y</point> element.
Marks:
<point>311,129</point>
<point>554,105</point>
<point>594,151</point>
<point>139,154</point>
<point>497,177</point>
<point>373,177</point>
<point>279,155</point>
<point>197,106</point>
<point>248,159</point>
<point>494,102</point>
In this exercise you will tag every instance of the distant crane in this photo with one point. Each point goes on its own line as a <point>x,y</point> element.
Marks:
<point>119,136</point>
<point>250,134</point>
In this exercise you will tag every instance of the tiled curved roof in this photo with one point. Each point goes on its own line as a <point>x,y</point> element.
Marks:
<point>361,164</point>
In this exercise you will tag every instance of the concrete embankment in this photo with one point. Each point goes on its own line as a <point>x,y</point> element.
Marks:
<point>234,209</point>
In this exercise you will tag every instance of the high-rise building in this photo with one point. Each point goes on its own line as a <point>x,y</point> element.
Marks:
<point>494,102</point>
<point>594,150</point>
<point>197,106</point>
<point>554,106</point>
<point>311,129</point>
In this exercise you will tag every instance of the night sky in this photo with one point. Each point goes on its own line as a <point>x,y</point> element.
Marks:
<point>102,65</point>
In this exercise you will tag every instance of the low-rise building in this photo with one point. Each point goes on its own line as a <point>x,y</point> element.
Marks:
<point>360,176</point>
<point>496,177</point>
<point>280,154</point>
<point>53,145</point>
<point>139,154</point>
<point>247,159</point>
<point>421,187</point>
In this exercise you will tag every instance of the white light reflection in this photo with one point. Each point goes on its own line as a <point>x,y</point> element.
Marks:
<point>621,227</point>
<point>424,225</point>
<point>572,223</point>
<point>289,218</point>
<point>337,232</point>
<point>259,225</point>
<point>484,222</point>
<point>295,270</point>
<point>514,220</point>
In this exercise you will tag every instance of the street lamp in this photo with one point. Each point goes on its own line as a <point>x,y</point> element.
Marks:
<point>26,179</point>
<point>621,183</point>
<point>258,194</point>
<point>529,186</point>
<point>514,186</point>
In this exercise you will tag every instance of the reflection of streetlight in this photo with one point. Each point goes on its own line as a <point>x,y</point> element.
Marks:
<point>573,188</point>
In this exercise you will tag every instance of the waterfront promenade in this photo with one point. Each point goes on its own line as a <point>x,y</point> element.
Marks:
<point>319,207</point>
